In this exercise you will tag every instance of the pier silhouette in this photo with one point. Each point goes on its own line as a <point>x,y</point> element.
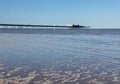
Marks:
<point>30,25</point>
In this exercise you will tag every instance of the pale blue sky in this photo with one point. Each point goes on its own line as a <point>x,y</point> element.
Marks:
<point>95,13</point>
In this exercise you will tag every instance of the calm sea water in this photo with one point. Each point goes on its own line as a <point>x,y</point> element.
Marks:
<point>60,58</point>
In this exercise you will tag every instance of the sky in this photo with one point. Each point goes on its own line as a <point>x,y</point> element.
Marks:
<point>94,13</point>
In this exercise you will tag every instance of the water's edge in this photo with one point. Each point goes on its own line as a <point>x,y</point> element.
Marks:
<point>60,31</point>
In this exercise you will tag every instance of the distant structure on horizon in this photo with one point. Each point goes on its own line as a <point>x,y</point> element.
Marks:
<point>71,26</point>
<point>77,26</point>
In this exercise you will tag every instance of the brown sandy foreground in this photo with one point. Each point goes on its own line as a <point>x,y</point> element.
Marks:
<point>47,78</point>
<point>44,76</point>
<point>56,77</point>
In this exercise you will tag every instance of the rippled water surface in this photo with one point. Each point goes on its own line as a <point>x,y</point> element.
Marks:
<point>59,59</point>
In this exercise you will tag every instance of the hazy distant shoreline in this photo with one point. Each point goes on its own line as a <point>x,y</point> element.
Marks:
<point>59,31</point>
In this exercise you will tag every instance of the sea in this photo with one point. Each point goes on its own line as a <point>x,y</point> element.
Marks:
<point>59,56</point>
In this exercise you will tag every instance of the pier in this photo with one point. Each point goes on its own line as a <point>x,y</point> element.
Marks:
<point>38,26</point>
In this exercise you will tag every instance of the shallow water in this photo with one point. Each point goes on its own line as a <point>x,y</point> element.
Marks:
<point>60,59</point>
